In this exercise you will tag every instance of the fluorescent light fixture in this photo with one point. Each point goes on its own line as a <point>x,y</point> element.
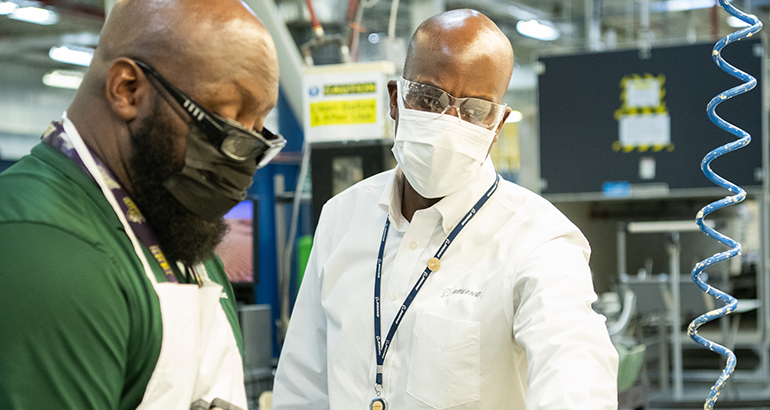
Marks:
<point>63,79</point>
<point>538,30</point>
<point>515,116</point>
<point>681,5</point>
<point>35,15</point>
<point>72,55</point>
<point>6,7</point>
<point>83,39</point>
<point>736,22</point>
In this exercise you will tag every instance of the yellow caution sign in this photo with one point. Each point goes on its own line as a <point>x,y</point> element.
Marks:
<point>642,94</point>
<point>343,112</point>
<point>644,123</point>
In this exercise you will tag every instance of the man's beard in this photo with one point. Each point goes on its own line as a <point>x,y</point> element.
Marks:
<point>182,236</point>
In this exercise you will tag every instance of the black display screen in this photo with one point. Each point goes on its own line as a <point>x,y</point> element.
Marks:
<point>584,99</point>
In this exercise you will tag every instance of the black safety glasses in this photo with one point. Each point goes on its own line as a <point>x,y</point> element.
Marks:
<point>229,136</point>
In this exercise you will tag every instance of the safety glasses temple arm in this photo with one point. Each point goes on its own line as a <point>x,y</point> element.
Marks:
<point>183,99</point>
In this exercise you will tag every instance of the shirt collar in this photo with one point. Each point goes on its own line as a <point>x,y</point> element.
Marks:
<point>390,201</point>
<point>451,208</point>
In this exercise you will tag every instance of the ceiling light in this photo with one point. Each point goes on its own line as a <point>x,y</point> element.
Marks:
<point>6,7</point>
<point>515,116</point>
<point>63,79</point>
<point>536,29</point>
<point>681,5</point>
<point>72,55</point>
<point>83,39</point>
<point>35,15</point>
<point>736,22</point>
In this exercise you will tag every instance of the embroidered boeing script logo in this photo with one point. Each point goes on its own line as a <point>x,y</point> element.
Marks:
<point>460,291</point>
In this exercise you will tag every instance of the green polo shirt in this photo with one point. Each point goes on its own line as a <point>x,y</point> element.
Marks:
<point>80,324</point>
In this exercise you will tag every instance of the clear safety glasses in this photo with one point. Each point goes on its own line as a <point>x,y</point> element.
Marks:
<point>229,136</point>
<point>476,111</point>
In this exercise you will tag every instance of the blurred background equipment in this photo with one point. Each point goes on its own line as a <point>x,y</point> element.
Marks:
<point>608,124</point>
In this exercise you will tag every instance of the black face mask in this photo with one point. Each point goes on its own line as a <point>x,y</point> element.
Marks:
<point>210,183</point>
<point>183,235</point>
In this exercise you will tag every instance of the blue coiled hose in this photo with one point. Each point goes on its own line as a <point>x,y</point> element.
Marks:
<point>739,195</point>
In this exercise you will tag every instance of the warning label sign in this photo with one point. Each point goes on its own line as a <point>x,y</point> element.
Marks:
<point>342,89</point>
<point>346,112</point>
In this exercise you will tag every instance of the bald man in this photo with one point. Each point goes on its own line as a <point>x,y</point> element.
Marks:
<point>438,285</point>
<point>111,295</point>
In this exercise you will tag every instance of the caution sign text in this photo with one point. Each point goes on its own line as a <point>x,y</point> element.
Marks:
<point>342,89</point>
<point>344,112</point>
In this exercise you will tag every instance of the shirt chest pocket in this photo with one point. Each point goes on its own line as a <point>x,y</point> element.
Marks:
<point>445,369</point>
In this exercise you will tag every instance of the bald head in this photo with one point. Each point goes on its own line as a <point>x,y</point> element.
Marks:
<point>216,52</point>
<point>463,43</point>
<point>465,54</point>
<point>190,40</point>
<point>220,56</point>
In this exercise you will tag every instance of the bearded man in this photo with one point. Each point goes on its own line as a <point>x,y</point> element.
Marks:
<point>111,295</point>
<point>439,285</point>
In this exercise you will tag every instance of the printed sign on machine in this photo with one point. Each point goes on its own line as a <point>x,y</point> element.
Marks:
<point>346,101</point>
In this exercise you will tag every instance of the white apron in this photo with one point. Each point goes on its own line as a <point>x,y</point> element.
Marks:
<point>199,357</point>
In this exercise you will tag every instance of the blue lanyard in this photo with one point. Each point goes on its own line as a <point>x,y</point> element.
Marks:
<point>433,265</point>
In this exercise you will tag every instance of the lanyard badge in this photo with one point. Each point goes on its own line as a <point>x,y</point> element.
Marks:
<point>434,264</point>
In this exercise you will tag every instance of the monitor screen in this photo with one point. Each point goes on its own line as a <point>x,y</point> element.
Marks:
<point>237,247</point>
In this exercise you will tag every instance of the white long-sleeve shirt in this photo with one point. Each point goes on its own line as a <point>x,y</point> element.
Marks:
<point>505,323</point>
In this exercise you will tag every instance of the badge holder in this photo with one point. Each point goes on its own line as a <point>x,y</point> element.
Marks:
<point>378,404</point>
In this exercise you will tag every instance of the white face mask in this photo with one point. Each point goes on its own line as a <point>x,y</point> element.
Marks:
<point>438,153</point>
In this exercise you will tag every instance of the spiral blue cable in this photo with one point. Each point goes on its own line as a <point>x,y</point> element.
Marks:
<point>739,195</point>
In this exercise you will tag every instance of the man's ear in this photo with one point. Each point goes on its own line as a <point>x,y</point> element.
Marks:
<point>126,89</point>
<point>508,111</point>
<point>393,93</point>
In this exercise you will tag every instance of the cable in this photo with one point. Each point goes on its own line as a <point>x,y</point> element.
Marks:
<point>284,282</point>
<point>317,28</point>
<point>392,20</point>
<point>351,15</point>
<point>739,195</point>
<point>362,5</point>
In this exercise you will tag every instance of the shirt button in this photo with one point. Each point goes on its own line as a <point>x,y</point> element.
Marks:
<point>413,245</point>
<point>449,227</point>
<point>394,295</point>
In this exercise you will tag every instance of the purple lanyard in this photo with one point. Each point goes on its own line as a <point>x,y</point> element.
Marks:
<point>433,265</point>
<point>53,137</point>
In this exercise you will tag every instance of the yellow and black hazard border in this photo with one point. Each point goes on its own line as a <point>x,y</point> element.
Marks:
<point>627,110</point>
<point>618,147</point>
